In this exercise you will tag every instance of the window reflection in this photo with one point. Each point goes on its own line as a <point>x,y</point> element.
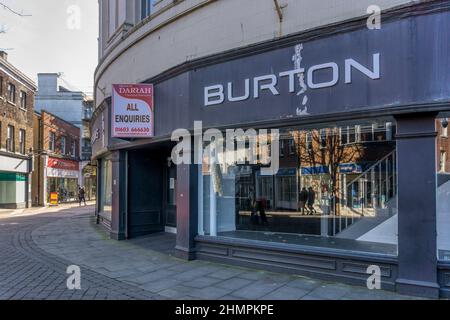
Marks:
<point>336,187</point>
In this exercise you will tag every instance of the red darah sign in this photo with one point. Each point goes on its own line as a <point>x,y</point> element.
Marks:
<point>63,164</point>
<point>132,111</point>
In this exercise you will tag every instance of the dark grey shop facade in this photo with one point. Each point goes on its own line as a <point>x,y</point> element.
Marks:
<point>358,112</point>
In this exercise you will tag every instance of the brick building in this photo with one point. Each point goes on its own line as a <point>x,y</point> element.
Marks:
<point>57,162</point>
<point>16,135</point>
<point>443,148</point>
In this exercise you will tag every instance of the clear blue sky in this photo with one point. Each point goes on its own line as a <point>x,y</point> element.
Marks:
<point>49,40</point>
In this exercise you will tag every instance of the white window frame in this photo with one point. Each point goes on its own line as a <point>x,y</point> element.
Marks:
<point>51,141</point>
<point>444,132</point>
<point>72,149</point>
<point>22,138</point>
<point>282,146</point>
<point>443,160</point>
<point>23,99</point>
<point>11,91</point>
<point>10,138</point>
<point>63,144</point>
<point>309,141</point>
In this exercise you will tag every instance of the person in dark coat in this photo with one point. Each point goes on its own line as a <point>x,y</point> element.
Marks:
<point>81,195</point>
<point>303,199</point>
<point>311,200</point>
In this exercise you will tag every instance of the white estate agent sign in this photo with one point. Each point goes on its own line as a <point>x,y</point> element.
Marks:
<point>132,111</point>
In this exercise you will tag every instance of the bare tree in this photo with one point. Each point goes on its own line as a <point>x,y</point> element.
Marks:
<point>13,11</point>
<point>324,148</point>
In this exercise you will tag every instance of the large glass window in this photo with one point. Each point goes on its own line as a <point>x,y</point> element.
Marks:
<point>332,189</point>
<point>443,190</point>
<point>67,189</point>
<point>106,189</point>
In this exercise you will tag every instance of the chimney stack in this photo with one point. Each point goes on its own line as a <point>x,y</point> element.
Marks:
<point>4,55</point>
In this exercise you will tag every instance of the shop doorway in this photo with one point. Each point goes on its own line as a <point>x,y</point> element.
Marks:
<point>145,193</point>
<point>170,201</point>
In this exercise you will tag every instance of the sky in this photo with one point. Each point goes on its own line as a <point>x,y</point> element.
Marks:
<point>59,36</point>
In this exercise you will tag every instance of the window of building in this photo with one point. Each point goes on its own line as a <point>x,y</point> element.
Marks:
<point>22,139</point>
<point>51,141</point>
<point>23,99</point>
<point>106,189</point>
<point>323,138</point>
<point>323,194</point>
<point>63,145</point>
<point>1,86</point>
<point>443,160</point>
<point>309,141</point>
<point>10,139</point>
<point>11,93</point>
<point>112,15</point>
<point>444,132</point>
<point>72,149</point>
<point>291,146</point>
<point>379,132</point>
<point>146,8</point>
<point>282,146</point>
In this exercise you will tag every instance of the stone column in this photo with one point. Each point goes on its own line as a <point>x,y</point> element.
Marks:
<point>417,183</point>
<point>187,210</point>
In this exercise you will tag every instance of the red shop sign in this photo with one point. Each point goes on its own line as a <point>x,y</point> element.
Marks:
<point>63,164</point>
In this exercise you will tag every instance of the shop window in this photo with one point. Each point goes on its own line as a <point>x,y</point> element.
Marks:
<point>10,139</point>
<point>11,93</point>
<point>443,195</point>
<point>23,100</point>
<point>67,189</point>
<point>312,201</point>
<point>51,141</point>
<point>22,139</point>
<point>106,189</point>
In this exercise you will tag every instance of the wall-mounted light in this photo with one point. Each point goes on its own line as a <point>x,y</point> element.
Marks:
<point>444,123</point>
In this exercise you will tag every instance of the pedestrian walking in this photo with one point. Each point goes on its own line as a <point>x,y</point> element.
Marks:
<point>303,198</point>
<point>81,196</point>
<point>311,201</point>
